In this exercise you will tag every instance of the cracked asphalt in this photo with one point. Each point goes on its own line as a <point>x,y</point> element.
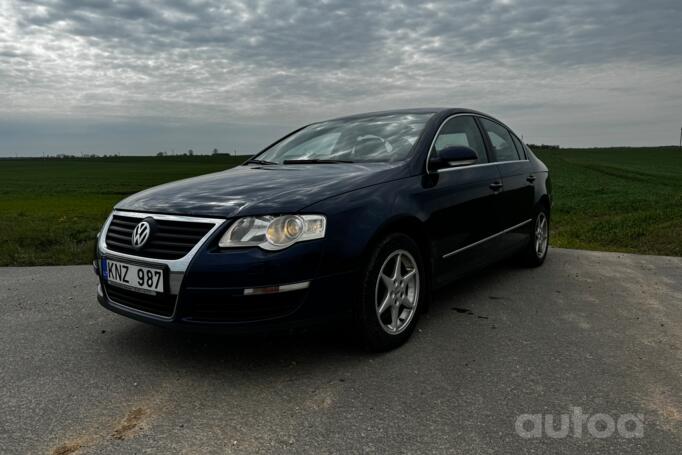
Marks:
<point>597,331</point>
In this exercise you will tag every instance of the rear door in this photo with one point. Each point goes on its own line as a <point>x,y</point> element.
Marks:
<point>515,204</point>
<point>460,202</point>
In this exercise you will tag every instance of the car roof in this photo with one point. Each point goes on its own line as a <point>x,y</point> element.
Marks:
<point>419,110</point>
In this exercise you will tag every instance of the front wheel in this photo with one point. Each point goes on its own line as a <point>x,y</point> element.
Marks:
<point>393,287</point>
<point>536,251</point>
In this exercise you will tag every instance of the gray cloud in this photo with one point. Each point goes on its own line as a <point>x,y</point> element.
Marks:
<point>553,69</point>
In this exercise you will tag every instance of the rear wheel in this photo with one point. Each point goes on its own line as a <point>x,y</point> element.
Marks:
<point>536,251</point>
<point>393,287</point>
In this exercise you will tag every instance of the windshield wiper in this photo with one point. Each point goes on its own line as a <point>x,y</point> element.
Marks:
<point>315,161</point>
<point>257,161</point>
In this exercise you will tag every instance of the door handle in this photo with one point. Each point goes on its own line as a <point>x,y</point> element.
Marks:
<point>496,186</point>
<point>530,178</point>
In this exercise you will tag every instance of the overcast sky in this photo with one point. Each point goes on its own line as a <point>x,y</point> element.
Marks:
<point>139,77</point>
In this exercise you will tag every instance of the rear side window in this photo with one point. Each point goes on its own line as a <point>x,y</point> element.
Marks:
<point>519,147</point>
<point>461,130</point>
<point>503,145</point>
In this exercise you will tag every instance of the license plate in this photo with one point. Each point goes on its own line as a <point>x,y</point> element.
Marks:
<point>138,278</point>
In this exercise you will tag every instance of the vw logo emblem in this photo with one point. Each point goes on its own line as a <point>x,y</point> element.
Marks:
<point>141,234</point>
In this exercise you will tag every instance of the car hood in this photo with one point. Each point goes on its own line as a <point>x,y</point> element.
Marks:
<point>250,190</point>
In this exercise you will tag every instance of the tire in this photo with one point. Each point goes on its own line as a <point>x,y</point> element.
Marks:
<point>536,251</point>
<point>390,302</point>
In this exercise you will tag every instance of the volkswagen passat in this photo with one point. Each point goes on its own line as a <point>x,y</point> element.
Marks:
<point>356,218</point>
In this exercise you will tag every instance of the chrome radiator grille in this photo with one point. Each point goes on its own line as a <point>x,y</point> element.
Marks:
<point>170,239</point>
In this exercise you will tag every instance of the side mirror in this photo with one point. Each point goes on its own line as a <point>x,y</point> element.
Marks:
<point>457,155</point>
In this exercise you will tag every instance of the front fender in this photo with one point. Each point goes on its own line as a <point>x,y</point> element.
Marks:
<point>354,219</point>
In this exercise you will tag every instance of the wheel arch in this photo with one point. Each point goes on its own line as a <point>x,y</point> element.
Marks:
<point>545,203</point>
<point>414,228</point>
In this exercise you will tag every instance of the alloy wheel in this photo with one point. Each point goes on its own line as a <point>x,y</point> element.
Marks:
<point>397,292</point>
<point>541,234</point>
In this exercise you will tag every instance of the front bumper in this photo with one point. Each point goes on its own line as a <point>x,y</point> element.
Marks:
<point>327,299</point>
<point>212,289</point>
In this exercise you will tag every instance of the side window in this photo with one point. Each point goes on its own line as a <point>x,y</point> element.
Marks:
<point>527,150</point>
<point>519,147</point>
<point>503,145</point>
<point>461,130</point>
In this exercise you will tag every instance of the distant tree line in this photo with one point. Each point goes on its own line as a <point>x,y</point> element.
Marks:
<point>543,146</point>
<point>69,156</point>
<point>190,152</point>
<point>66,156</point>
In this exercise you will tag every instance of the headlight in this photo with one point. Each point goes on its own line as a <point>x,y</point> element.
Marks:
<point>273,232</point>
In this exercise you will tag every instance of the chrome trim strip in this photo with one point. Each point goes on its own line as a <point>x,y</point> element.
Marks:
<point>177,267</point>
<point>448,169</point>
<point>282,288</point>
<point>447,119</point>
<point>452,253</point>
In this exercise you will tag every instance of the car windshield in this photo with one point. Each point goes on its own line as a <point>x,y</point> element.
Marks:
<point>380,138</point>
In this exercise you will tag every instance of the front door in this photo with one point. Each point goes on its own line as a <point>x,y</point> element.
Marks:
<point>461,203</point>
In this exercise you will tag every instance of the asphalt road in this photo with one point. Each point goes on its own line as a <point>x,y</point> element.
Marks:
<point>596,331</point>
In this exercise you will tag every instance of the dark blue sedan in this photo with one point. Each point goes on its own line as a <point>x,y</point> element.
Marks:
<point>356,219</point>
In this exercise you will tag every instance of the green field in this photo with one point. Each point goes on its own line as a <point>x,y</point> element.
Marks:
<point>51,210</point>
<point>627,199</point>
<point>617,199</point>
